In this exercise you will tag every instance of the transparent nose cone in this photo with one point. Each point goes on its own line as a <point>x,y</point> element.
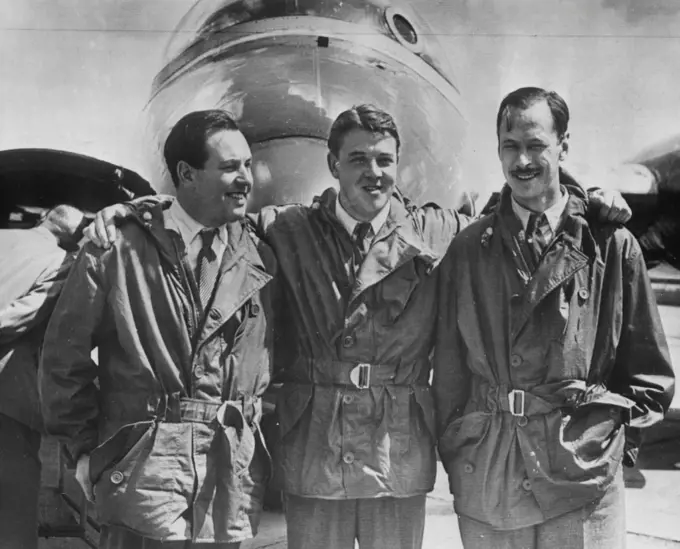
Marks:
<point>286,68</point>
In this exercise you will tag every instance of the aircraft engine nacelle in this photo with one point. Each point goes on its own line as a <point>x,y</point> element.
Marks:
<point>285,69</point>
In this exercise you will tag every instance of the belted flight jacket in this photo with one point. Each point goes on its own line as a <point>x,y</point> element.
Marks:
<point>170,414</point>
<point>543,379</point>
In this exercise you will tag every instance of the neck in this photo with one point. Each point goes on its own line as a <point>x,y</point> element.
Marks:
<point>539,204</point>
<point>195,210</point>
<point>356,215</point>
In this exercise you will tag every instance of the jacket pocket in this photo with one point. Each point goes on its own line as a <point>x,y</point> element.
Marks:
<point>589,432</point>
<point>465,432</point>
<point>147,491</point>
<point>238,438</point>
<point>292,402</point>
<point>117,447</point>
<point>591,441</point>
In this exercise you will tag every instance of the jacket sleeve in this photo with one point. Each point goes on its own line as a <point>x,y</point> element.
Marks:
<point>451,377</point>
<point>146,202</point>
<point>440,226</point>
<point>642,368</point>
<point>67,374</point>
<point>33,308</point>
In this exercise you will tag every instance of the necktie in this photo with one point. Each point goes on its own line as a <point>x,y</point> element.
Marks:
<point>206,266</point>
<point>360,245</point>
<point>537,234</point>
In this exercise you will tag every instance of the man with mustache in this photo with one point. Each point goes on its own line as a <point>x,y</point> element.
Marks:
<point>358,307</point>
<point>550,355</point>
<point>165,429</point>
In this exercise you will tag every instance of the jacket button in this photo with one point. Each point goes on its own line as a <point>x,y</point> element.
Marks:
<point>469,468</point>
<point>515,361</point>
<point>198,371</point>
<point>347,399</point>
<point>147,216</point>
<point>348,341</point>
<point>348,458</point>
<point>215,314</point>
<point>117,477</point>
<point>583,293</point>
<point>526,484</point>
<point>255,309</point>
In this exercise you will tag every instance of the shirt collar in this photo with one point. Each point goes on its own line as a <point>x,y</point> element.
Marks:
<point>187,227</point>
<point>553,214</point>
<point>350,223</point>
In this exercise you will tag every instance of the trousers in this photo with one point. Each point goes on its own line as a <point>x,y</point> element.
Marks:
<point>381,523</point>
<point>19,484</point>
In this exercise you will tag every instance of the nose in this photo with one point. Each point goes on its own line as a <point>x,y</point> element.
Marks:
<point>245,176</point>
<point>372,168</point>
<point>523,159</point>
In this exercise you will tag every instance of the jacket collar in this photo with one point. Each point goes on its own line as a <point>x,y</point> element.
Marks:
<point>397,242</point>
<point>171,246</point>
<point>572,249</point>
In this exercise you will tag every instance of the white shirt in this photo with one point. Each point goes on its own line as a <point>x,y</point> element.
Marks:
<point>177,219</point>
<point>552,214</point>
<point>350,223</point>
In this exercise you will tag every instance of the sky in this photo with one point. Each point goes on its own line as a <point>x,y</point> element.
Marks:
<point>76,74</point>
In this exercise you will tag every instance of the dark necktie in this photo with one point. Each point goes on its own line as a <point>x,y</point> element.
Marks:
<point>537,234</point>
<point>360,245</point>
<point>206,266</point>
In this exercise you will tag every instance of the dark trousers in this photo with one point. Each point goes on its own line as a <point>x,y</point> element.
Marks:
<point>19,485</point>
<point>120,538</point>
<point>599,525</point>
<point>381,523</point>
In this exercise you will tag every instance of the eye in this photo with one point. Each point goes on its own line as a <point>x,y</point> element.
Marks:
<point>509,146</point>
<point>385,162</point>
<point>537,147</point>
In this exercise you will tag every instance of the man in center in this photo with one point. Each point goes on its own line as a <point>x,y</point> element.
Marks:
<point>356,416</point>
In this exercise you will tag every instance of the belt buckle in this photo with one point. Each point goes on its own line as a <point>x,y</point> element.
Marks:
<point>514,396</point>
<point>360,376</point>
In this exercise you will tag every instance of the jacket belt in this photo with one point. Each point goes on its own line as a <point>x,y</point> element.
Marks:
<point>542,399</point>
<point>360,375</point>
<point>175,409</point>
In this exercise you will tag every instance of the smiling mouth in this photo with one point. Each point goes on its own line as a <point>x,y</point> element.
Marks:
<point>373,188</point>
<point>526,176</point>
<point>237,196</point>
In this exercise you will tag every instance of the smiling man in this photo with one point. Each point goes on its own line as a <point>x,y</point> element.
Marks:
<point>549,356</point>
<point>165,429</point>
<point>357,319</point>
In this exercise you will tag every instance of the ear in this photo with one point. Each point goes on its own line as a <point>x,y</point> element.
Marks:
<point>564,147</point>
<point>185,173</point>
<point>332,161</point>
